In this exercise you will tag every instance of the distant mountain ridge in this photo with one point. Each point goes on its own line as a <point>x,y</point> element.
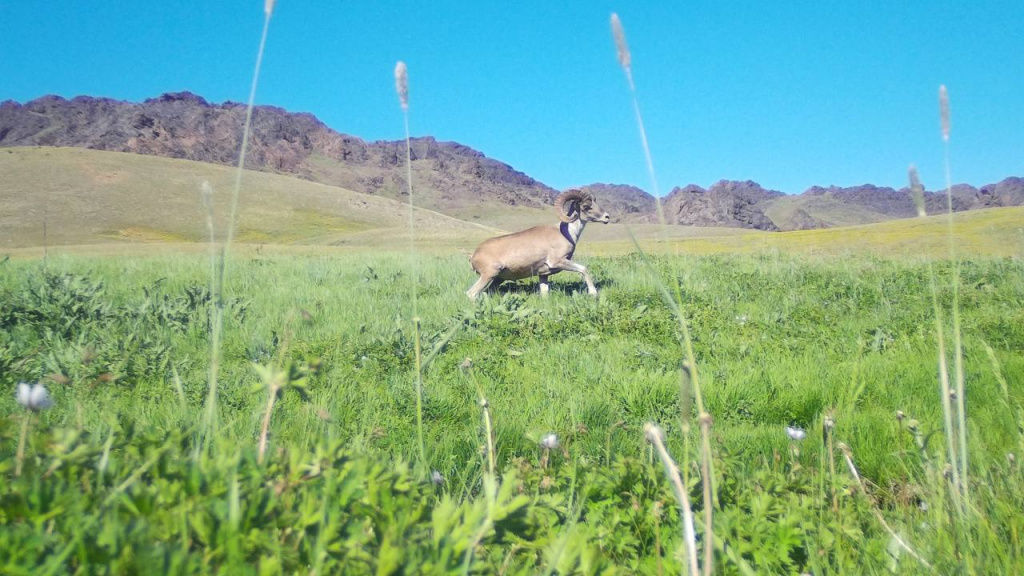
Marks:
<point>448,177</point>
<point>184,125</point>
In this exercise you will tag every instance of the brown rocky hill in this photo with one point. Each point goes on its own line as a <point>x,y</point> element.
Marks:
<point>184,125</point>
<point>820,207</point>
<point>739,204</point>
<point>447,176</point>
<point>746,204</point>
<point>625,203</point>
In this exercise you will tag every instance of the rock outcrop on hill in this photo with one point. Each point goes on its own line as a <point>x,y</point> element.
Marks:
<point>739,204</point>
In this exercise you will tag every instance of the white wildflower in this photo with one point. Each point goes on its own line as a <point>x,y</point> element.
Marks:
<point>549,442</point>
<point>35,397</point>
<point>795,433</point>
<point>436,478</point>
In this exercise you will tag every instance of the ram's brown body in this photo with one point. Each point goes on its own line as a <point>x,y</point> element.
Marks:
<point>541,250</point>
<point>523,254</point>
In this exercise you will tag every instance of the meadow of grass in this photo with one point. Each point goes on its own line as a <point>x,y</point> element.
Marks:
<point>113,479</point>
<point>824,208</point>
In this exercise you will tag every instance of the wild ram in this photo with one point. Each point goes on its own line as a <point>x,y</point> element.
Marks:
<point>539,251</point>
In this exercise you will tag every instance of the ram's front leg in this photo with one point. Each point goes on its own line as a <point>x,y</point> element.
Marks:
<point>574,267</point>
<point>543,285</point>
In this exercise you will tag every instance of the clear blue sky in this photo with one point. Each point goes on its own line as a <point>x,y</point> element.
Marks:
<point>790,93</point>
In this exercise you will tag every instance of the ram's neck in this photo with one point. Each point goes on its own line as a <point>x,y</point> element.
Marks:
<point>572,230</point>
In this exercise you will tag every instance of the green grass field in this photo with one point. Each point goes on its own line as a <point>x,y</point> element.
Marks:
<point>118,477</point>
<point>112,311</point>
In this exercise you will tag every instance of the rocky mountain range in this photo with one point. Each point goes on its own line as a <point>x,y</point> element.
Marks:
<point>184,125</point>
<point>449,177</point>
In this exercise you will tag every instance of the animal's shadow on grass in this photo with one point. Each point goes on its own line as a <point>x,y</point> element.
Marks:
<point>532,287</point>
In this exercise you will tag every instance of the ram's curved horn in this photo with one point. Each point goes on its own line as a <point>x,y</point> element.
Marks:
<point>564,201</point>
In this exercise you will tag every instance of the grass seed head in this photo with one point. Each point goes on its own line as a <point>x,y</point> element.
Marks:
<point>206,193</point>
<point>58,378</point>
<point>916,191</point>
<point>653,432</point>
<point>706,419</point>
<point>621,48</point>
<point>402,84</point>
<point>944,111</point>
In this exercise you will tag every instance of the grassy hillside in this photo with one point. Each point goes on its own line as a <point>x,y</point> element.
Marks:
<point>113,203</point>
<point>993,232</point>
<point>88,196</point>
<point>823,208</point>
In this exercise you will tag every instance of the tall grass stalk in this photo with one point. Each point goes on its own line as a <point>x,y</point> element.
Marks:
<point>491,495</point>
<point>656,437</point>
<point>1012,406</point>
<point>402,88</point>
<point>489,433</point>
<point>958,352</point>
<point>19,457</point>
<point>217,290</point>
<point>917,193</point>
<point>626,61</point>
<point>206,194</point>
<point>46,252</point>
<point>485,407</point>
<point>847,455</point>
<point>575,507</point>
<point>273,388</point>
<point>704,418</point>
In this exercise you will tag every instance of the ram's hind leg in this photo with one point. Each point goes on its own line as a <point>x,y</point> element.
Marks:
<point>479,287</point>
<point>543,285</point>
